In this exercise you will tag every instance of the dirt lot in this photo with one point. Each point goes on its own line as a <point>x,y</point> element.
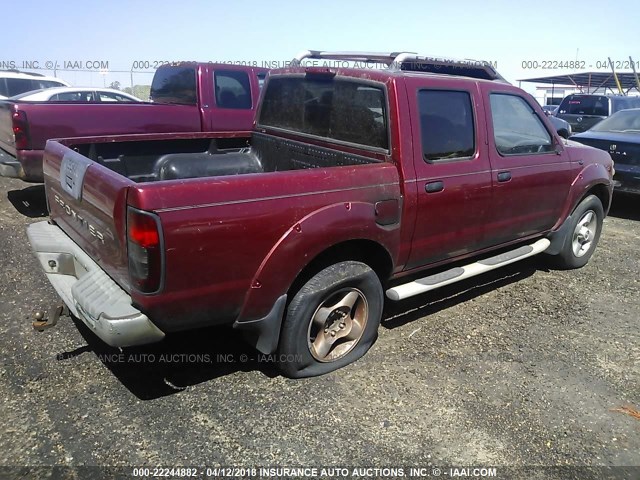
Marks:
<point>519,367</point>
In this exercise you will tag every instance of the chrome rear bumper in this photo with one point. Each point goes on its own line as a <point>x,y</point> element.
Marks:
<point>88,291</point>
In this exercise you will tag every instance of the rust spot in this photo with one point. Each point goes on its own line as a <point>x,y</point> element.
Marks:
<point>627,410</point>
<point>347,205</point>
<point>256,284</point>
<point>297,228</point>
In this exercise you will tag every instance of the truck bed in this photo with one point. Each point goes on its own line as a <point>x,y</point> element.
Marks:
<point>158,160</point>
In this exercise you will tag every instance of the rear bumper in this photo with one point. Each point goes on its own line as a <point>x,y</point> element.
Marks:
<point>88,291</point>
<point>27,166</point>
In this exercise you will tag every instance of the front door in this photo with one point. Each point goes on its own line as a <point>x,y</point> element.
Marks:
<point>530,170</point>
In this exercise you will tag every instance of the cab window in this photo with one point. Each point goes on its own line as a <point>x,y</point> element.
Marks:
<point>446,125</point>
<point>517,128</point>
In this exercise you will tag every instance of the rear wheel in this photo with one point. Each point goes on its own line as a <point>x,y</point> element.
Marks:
<point>331,321</point>
<point>583,234</point>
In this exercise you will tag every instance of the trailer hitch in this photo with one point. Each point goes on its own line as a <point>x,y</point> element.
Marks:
<point>42,323</point>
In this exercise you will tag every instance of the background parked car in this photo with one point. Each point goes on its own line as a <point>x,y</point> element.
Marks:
<point>620,136</point>
<point>584,111</point>
<point>75,94</point>
<point>550,109</point>
<point>14,83</point>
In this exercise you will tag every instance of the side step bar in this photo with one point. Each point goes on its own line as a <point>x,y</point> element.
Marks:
<point>457,274</point>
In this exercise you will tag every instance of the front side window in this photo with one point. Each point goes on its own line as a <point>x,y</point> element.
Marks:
<point>446,124</point>
<point>516,127</point>
<point>232,89</point>
<point>345,110</point>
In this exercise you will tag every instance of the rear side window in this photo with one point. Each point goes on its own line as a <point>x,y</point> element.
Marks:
<point>73,97</point>
<point>174,85</point>
<point>232,89</point>
<point>625,103</point>
<point>16,86</point>
<point>345,110</point>
<point>49,84</point>
<point>585,105</point>
<point>446,124</point>
<point>516,127</point>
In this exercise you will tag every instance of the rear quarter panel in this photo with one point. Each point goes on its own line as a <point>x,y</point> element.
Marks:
<point>228,236</point>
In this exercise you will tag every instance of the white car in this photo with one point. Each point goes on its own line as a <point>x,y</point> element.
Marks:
<point>76,94</point>
<point>14,83</point>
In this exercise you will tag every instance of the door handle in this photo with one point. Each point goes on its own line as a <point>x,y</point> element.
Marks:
<point>433,187</point>
<point>504,176</point>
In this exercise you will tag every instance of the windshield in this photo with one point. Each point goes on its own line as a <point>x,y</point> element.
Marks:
<point>585,105</point>
<point>622,121</point>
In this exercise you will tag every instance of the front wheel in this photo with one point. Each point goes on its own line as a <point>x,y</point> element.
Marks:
<point>332,320</point>
<point>582,235</point>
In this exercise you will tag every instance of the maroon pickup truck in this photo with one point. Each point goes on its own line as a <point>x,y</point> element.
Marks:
<point>187,97</point>
<point>355,183</point>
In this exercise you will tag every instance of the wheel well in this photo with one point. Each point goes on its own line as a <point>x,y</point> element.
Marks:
<point>602,192</point>
<point>365,251</point>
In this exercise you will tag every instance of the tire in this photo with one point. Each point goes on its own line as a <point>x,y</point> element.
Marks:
<point>583,234</point>
<point>331,321</point>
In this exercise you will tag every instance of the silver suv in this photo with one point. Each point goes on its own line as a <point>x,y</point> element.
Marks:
<point>13,82</point>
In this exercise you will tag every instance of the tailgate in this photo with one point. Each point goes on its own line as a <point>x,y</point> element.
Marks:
<point>581,123</point>
<point>88,202</point>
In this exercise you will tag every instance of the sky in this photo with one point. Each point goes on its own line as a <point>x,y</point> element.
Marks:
<point>122,35</point>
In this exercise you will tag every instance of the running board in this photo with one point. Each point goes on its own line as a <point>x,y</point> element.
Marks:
<point>458,274</point>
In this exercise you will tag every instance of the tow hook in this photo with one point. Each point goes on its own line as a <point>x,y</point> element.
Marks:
<point>42,323</point>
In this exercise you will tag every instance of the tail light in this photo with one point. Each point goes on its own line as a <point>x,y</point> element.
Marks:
<point>144,249</point>
<point>21,130</point>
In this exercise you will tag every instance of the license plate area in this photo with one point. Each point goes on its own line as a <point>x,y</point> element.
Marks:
<point>72,171</point>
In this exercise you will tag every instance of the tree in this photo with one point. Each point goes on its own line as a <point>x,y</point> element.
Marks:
<point>140,91</point>
<point>115,85</point>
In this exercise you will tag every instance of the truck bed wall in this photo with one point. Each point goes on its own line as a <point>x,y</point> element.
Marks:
<point>49,120</point>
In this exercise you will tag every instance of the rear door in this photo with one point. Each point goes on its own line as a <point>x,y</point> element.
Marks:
<point>529,168</point>
<point>452,169</point>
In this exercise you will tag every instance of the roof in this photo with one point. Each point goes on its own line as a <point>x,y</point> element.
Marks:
<point>19,74</point>
<point>404,62</point>
<point>46,93</point>
<point>590,80</point>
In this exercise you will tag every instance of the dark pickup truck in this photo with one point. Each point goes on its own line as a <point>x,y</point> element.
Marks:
<point>355,182</point>
<point>187,97</point>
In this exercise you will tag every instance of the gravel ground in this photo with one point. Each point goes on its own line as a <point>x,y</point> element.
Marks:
<point>520,367</point>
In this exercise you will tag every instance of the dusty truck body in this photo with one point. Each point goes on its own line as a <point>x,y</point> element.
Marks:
<point>354,181</point>
<point>186,97</point>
